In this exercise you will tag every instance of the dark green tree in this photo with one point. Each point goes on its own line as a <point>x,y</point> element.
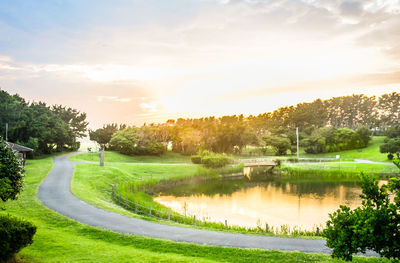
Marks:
<point>389,107</point>
<point>103,135</point>
<point>11,173</point>
<point>279,144</point>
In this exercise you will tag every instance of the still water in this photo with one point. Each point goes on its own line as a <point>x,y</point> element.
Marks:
<point>304,202</point>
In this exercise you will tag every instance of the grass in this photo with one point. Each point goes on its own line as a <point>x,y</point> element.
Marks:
<point>370,153</point>
<point>341,168</point>
<point>110,156</point>
<point>59,239</point>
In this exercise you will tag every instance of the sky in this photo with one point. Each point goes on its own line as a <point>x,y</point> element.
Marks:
<point>135,62</point>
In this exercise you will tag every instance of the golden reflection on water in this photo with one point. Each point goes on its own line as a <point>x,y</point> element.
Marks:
<point>266,204</point>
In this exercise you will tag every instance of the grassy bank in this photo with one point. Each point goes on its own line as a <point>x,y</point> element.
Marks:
<point>59,239</point>
<point>340,168</point>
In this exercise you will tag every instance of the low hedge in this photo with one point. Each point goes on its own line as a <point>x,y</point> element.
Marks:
<point>215,161</point>
<point>15,234</point>
<point>196,159</point>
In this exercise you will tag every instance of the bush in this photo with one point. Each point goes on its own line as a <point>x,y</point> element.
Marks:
<point>391,146</point>
<point>14,235</point>
<point>292,160</point>
<point>372,226</point>
<point>215,161</point>
<point>390,156</point>
<point>196,159</point>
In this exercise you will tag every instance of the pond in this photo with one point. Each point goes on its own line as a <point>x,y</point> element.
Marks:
<point>302,202</point>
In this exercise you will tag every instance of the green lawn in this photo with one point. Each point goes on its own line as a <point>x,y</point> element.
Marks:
<point>369,153</point>
<point>110,156</point>
<point>59,239</point>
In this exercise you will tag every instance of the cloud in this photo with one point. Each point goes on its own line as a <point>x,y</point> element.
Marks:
<point>150,107</point>
<point>351,8</point>
<point>192,59</point>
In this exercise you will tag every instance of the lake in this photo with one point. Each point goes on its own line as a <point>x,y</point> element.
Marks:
<point>304,202</point>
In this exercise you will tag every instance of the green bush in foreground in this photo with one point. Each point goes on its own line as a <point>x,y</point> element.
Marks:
<point>14,235</point>
<point>372,226</point>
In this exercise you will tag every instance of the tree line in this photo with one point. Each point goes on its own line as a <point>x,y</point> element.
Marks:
<point>46,129</point>
<point>336,124</point>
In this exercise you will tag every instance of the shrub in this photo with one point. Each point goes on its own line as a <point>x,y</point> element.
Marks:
<point>14,235</point>
<point>216,161</point>
<point>292,160</point>
<point>372,226</point>
<point>391,146</point>
<point>196,159</point>
<point>390,156</point>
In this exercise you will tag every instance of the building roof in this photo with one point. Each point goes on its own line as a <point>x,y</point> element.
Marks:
<point>19,148</point>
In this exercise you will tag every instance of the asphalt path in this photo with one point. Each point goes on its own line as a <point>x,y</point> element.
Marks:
<point>54,192</point>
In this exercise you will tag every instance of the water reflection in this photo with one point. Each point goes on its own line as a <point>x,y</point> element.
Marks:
<point>303,202</point>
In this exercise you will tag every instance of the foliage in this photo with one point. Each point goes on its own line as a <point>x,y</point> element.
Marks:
<point>331,139</point>
<point>137,141</point>
<point>196,159</point>
<point>393,131</point>
<point>216,160</point>
<point>211,160</point>
<point>103,135</point>
<point>389,108</point>
<point>280,145</point>
<point>38,126</point>
<point>14,235</point>
<point>11,173</point>
<point>397,162</point>
<point>372,226</point>
<point>391,146</point>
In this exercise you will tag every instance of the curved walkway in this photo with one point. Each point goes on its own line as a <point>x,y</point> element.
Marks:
<point>55,193</point>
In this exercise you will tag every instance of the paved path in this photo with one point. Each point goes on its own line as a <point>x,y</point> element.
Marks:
<point>55,193</point>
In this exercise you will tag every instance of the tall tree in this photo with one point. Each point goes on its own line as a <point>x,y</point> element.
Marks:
<point>389,107</point>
